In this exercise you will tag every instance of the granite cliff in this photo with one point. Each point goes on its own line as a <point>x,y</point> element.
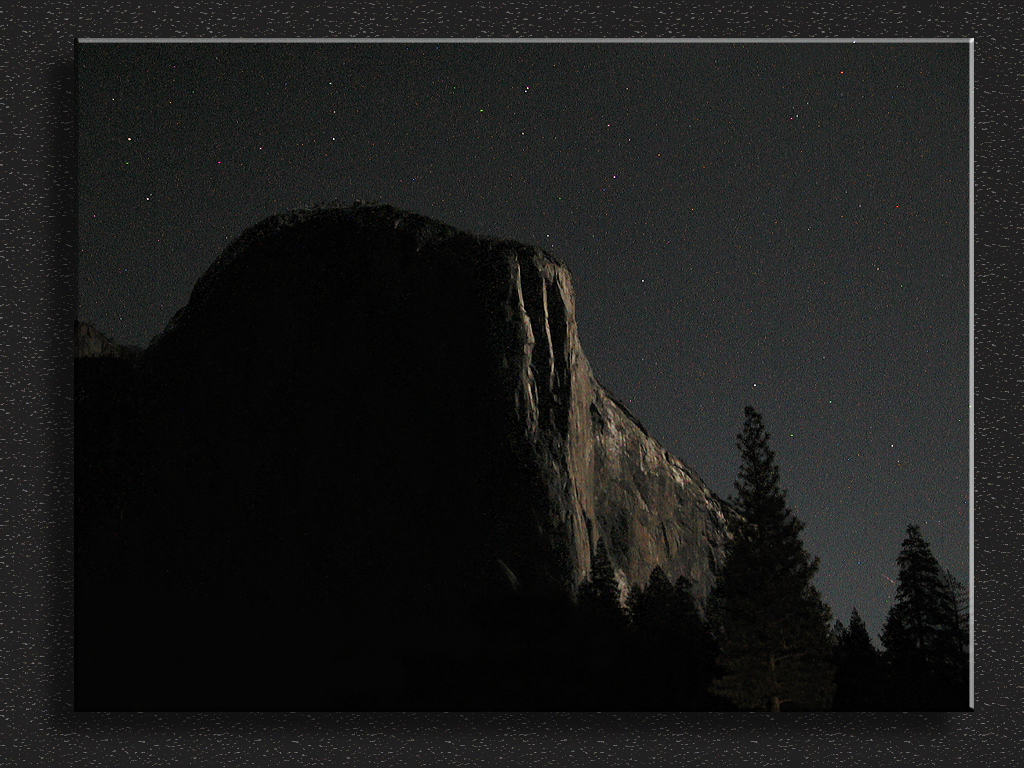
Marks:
<point>89,342</point>
<point>368,406</point>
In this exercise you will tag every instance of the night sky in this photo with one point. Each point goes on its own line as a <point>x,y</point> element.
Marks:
<point>779,224</point>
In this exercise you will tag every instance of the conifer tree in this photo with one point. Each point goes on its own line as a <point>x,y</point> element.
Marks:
<point>655,646</point>
<point>671,655</point>
<point>925,646</point>
<point>603,680</point>
<point>693,625</point>
<point>653,609</point>
<point>698,650</point>
<point>859,671</point>
<point>959,608</point>
<point>772,627</point>
<point>960,670</point>
<point>599,594</point>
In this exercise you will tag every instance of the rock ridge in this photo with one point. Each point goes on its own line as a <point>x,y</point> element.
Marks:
<point>590,466</point>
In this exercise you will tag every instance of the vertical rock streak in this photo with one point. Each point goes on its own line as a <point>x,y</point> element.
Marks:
<point>607,477</point>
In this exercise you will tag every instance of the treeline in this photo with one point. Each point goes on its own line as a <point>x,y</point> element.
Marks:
<point>649,652</point>
<point>764,641</point>
<point>772,626</point>
<point>924,662</point>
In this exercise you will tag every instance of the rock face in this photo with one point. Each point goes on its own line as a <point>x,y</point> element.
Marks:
<point>89,342</point>
<point>413,326</point>
<point>364,402</point>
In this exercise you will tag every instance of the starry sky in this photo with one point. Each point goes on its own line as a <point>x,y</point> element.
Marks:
<point>781,224</point>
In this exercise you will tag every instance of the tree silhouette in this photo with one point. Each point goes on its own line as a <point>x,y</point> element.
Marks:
<point>599,594</point>
<point>697,651</point>
<point>924,639</point>
<point>670,654</point>
<point>959,609</point>
<point>652,609</point>
<point>601,655</point>
<point>771,624</point>
<point>859,670</point>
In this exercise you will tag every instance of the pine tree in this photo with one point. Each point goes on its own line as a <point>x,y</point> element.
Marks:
<point>925,646</point>
<point>602,676</point>
<point>771,624</point>
<point>959,609</point>
<point>859,672</point>
<point>599,594</point>
<point>653,610</point>
<point>698,650</point>
<point>694,628</point>
<point>961,666</point>
<point>671,655</point>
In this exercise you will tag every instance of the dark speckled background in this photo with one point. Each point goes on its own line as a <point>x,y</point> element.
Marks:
<point>37,278</point>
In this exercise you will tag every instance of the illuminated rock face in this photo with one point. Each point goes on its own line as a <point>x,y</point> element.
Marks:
<point>363,402</point>
<point>89,342</point>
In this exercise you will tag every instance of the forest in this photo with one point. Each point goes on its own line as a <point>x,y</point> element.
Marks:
<point>766,640</point>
